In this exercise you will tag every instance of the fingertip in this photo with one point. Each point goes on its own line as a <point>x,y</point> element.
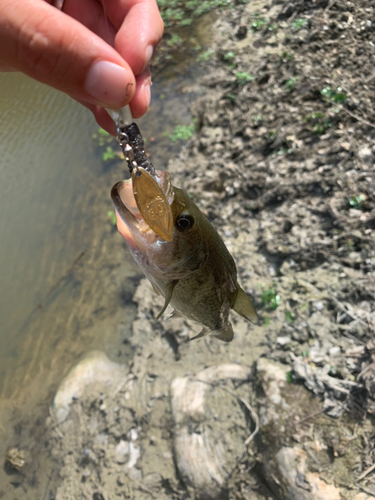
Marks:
<point>142,96</point>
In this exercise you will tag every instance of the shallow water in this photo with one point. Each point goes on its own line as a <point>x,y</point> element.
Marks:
<point>66,276</point>
<point>55,235</point>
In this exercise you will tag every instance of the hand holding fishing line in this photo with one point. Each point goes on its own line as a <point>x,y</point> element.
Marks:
<point>98,52</point>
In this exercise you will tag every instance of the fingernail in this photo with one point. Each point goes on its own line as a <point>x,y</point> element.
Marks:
<point>107,82</point>
<point>147,92</point>
<point>148,54</point>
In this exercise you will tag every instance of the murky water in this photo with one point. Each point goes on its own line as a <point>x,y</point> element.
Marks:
<point>67,278</point>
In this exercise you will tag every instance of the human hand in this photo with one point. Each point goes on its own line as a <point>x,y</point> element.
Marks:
<point>97,52</point>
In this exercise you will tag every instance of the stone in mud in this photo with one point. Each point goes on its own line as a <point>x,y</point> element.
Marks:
<point>297,464</point>
<point>94,372</point>
<point>210,428</point>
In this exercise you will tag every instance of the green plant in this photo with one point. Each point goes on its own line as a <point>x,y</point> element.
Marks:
<point>357,201</point>
<point>257,118</point>
<point>112,217</point>
<point>102,137</point>
<point>298,24</point>
<point>260,23</point>
<point>266,320</point>
<point>290,377</point>
<point>229,56</point>
<point>242,77</point>
<point>317,123</point>
<point>230,97</point>
<point>271,299</point>
<point>177,13</point>
<point>287,56</point>
<point>182,132</point>
<point>205,56</point>
<point>290,316</point>
<point>108,154</point>
<point>174,40</point>
<point>334,95</point>
<point>290,83</point>
<point>272,135</point>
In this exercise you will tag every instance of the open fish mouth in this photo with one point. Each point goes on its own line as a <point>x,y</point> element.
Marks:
<point>130,223</point>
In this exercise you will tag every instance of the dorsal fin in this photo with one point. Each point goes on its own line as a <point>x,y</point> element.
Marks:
<point>167,297</point>
<point>243,306</point>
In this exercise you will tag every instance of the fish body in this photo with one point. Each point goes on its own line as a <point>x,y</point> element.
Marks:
<point>194,272</point>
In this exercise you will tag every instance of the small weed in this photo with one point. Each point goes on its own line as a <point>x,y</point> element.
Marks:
<point>174,41</point>
<point>357,202</point>
<point>272,27</point>
<point>229,56</point>
<point>272,135</point>
<point>162,96</point>
<point>305,353</point>
<point>112,217</point>
<point>290,316</point>
<point>271,299</point>
<point>260,23</point>
<point>349,243</point>
<point>230,97</point>
<point>257,118</point>
<point>290,84</point>
<point>177,13</point>
<point>266,320</point>
<point>298,24</point>
<point>287,56</point>
<point>284,151</point>
<point>205,56</point>
<point>182,133</point>
<point>109,154</point>
<point>242,77</point>
<point>333,95</point>
<point>102,137</point>
<point>290,377</point>
<point>317,123</point>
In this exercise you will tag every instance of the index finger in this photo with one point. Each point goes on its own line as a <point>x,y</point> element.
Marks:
<point>139,29</point>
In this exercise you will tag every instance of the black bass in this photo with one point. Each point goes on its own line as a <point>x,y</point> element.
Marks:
<point>194,271</point>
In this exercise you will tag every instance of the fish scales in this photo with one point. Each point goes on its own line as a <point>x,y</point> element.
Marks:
<point>194,272</point>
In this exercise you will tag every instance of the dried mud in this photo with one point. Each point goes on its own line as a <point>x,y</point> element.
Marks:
<point>286,174</point>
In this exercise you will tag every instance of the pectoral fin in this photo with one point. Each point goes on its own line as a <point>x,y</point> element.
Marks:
<point>167,297</point>
<point>243,306</point>
<point>225,334</point>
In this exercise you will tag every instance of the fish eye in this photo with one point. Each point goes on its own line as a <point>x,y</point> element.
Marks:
<point>184,221</point>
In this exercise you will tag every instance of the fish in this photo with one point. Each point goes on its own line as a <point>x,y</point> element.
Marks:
<point>194,271</point>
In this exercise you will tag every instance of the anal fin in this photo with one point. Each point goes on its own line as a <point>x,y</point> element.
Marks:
<point>243,306</point>
<point>225,334</point>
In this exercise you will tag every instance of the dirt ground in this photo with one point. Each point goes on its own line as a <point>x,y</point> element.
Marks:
<point>282,163</point>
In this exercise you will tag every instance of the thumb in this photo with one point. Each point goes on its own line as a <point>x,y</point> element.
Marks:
<point>55,49</point>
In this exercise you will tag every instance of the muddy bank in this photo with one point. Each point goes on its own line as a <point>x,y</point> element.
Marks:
<point>283,164</point>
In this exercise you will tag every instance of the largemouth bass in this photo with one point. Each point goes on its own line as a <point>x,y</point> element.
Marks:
<point>194,272</point>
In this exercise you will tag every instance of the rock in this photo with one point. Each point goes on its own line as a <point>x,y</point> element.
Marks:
<point>296,481</point>
<point>94,371</point>
<point>206,448</point>
<point>366,154</point>
<point>283,341</point>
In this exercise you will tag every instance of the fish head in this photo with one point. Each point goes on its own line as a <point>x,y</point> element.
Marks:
<point>158,258</point>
